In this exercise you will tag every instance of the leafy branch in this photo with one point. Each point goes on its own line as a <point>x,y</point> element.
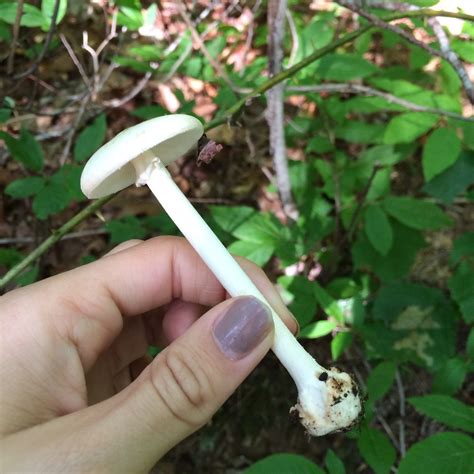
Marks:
<point>222,119</point>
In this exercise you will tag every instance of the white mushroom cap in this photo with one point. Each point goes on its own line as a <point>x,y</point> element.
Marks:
<point>168,138</point>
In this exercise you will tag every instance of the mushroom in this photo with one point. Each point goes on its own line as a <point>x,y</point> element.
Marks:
<point>328,400</point>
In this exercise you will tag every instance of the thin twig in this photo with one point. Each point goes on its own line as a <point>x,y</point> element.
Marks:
<point>380,23</point>
<point>452,57</point>
<point>353,223</point>
<point>133,93</point>
<point>75,60</point>
<point>52,239</point>
<point>275,108</point>
<point>401,396</point>
<point>73,235</point>
<point>370,91</point>
<point>16,31</point>
<point>46,43</point>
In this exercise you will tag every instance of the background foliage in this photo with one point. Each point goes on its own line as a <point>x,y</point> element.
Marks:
<point>378,263</point>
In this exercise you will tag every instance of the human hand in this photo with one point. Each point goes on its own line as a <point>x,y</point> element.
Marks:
<point>79,394</point>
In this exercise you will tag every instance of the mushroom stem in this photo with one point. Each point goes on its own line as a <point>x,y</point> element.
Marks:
<point>314,383</point>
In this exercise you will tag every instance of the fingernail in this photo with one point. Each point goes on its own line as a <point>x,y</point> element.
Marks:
<point>242,327</point>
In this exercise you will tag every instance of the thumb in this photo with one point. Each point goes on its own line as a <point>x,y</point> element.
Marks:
<point>173,397</point>
<point>187,383</point>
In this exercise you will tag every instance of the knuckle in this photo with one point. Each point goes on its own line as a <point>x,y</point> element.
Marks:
<point>183,386</point>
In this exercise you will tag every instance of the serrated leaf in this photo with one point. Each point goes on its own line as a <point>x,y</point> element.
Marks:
<point>333,463</point>
<point>446,410</point>
<point>90,139</point>
<point>417,214</point>
<point>318,329</point>
<point>51,199</point>
<point>126,228</point>
<point>25,149</point>
<point>439,454</point>
<point>406,127</point>
<point>380,380</point>
<point>260,229</point>
<point>441,150</point>
<point>461,286</point>
<point>284,463</point>
<point>376,449</point>
<point>257,253</point>
<point>231,217</point>
<point>378,229</point>
<point>25,187</point>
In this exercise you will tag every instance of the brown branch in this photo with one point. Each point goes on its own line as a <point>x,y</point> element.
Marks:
<point>275,108</point>
<point>375,20</point>
<point>369,91</point>
<point>452,57</point>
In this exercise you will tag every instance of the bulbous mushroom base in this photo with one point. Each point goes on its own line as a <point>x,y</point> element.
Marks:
<point>329,403</point>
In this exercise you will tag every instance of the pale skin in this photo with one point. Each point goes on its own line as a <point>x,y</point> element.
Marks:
<point>79,394</point>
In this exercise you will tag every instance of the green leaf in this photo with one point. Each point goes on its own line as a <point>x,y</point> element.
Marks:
<point>463,246</point>
<point>126,228</point>
<point>298,294</point>
<point>69,176</point>
<point>347,66</point>
<point>439,454</point>
<point>5,114</point>
<point>419,321</point>
<point>260,229</point>
<point>333,463</point>
<point>328,303</point>
<point>417,214</point>
<point>378,229</point>
<point>257,253</point>
<point>28,276</point>
<point>47,8</point>
<point>461,286</point>
<point>25,149</point>
<point>10,257</point>
<point>130,17</point>
<point>32,16</point>
<point>422,3</point>
<point>406,127</point>
<point>449,378</point>
<point>454,180</point>
<point>446,410</point>
<point>354,131</point>
<point>25,187</point>
<point>230,217</point>
<point>90,139</point>
<point>340,343</point>
<point>376,449</point>
<point>441,150</point>
<point>380,380</point>
<point>149,111</point>
<point>398,261</point>
<point>464,49</point>
<point>284,463</point>
<point>470,344</point>
<point>318,329</point>
<point>51,199</point>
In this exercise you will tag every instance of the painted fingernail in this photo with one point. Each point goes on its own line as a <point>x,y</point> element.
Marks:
<point>242,327</point>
